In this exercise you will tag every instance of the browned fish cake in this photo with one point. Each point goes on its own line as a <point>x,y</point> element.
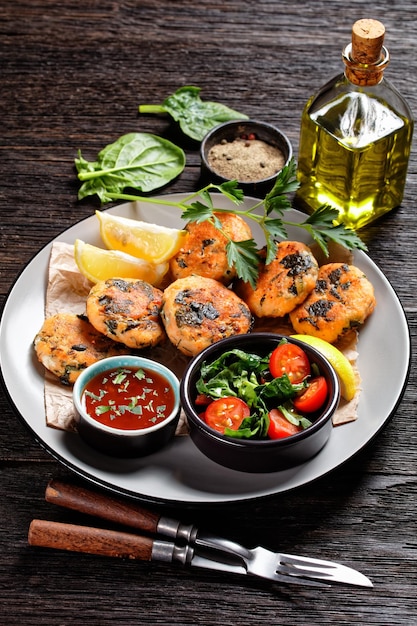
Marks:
<point>204,249</point>
<point>67,344</point>
<point>342,299</point>
<point>282,284</point>
<point>127,311</point>
<point>199,311</point>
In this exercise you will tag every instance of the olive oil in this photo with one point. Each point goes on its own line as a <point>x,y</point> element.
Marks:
<point>355,143</point>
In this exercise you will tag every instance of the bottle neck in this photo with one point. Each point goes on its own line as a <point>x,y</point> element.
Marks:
<point>364,74</point>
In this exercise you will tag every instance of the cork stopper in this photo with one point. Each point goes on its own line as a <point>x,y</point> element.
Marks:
<point>366,58</point>
<point>367,41</point>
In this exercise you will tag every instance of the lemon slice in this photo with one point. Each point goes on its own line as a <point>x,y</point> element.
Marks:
<point>341,364</point>
<point>150,242</point>
<point>98,264</point>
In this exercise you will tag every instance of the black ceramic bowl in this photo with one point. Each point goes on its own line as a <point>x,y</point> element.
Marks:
<point>115,441</point>
<point>235,130</point>
<point>249,455</point>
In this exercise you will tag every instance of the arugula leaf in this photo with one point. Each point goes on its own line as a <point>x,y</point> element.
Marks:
<point>138,160</point>
<point>195,116</point>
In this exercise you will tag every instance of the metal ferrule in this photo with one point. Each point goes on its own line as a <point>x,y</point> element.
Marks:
<point>169,552</point>
<point>173,528</point>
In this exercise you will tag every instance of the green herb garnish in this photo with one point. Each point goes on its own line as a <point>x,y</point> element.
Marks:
<point>267,213</point>
<point>195,116</point>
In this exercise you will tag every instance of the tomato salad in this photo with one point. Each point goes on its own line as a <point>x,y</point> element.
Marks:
<point>244,395</point>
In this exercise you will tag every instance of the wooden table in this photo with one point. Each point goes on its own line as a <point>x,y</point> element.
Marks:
<point>72,77</point>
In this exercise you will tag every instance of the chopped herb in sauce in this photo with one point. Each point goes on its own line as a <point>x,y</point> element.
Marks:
<point>129,398</point>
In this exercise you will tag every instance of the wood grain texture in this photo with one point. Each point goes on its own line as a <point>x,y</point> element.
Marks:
<point>99,505</point>
<point>89,540</point>
<point>73,74</point>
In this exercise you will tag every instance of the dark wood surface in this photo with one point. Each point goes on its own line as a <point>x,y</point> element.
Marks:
<point>72,76</point>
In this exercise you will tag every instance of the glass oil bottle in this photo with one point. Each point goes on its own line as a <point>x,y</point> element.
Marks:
<point>355,136</point>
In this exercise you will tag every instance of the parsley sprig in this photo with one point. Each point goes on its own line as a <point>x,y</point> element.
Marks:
<point>267,213</point>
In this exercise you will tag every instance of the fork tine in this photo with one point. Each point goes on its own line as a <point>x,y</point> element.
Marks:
<point>304,567</point>
<point>307,561</point>
<point>297,580</point>
<point>294,565</point>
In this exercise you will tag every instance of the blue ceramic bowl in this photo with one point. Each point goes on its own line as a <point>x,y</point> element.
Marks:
<point>115,441</point>
<point>249,455</point>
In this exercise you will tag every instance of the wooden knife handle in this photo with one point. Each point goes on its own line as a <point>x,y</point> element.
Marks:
<point>105,507</point>
<point>100,541</point>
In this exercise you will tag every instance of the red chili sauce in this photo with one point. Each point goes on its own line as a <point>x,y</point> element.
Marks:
<point>129,398</point>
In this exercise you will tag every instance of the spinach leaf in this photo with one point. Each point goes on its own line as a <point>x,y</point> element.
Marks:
<point>239,359</point>
<point>293,417</point>
<point>219,386</point>
<point>279,389</point>
<point>195,116</point>
<point>255,426</point>
<point>138,160</point>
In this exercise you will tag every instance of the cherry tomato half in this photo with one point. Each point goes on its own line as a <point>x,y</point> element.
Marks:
<point>313,398</point>
<point>202,400</point>
<point>280,427</point>
<point>226,413</point>
<point>290,359</point>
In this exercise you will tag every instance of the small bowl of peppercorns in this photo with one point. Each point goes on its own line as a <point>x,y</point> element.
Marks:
<point>249,151</point>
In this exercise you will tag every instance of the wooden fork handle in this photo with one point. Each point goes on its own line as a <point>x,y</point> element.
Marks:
<point>102,506</point>
<point>99,541</point>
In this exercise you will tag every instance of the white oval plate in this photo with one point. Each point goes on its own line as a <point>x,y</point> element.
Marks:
<point>180,473</point>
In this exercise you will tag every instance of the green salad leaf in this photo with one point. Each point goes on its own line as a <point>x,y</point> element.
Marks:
<point>194,115</point>
<point>138,160</point>
<point>245,375</point>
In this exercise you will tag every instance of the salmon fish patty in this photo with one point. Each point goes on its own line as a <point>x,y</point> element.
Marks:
<point>198,311</point>
<point>342,299</point>
<point>282,284</point>
<point>127,311</point>
<point>204,249</point>
<point>67,343</point>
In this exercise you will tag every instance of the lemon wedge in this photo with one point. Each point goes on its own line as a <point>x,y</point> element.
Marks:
<point>341,364</point>
<point>97,264</point>
<point>149,242</point>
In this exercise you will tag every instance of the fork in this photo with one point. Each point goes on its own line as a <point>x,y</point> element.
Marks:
<point>190,545</point>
